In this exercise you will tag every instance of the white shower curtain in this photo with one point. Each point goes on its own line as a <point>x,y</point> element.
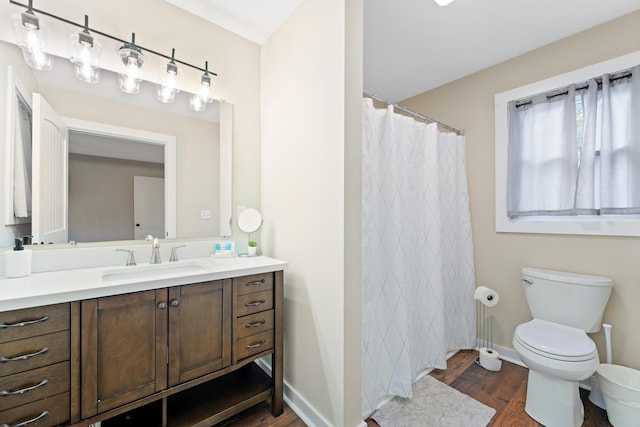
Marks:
<point>417,252</point>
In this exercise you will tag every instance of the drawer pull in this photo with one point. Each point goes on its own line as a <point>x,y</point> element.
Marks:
<point>254,303</point>
<point>4,359</point>
<point>256,283</point>
<point>255,324</point>
<point>24,323</point>
<point>248,346</point>
<point>31,421</point>
<point>24,390</point>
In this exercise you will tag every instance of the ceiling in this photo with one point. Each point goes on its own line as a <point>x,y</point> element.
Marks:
<point>411,46</point>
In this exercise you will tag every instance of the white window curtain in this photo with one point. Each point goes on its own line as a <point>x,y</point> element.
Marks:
<point>586,203</point>
<point>566,162</point>
<point>620,152</point>
<point>543,159</point>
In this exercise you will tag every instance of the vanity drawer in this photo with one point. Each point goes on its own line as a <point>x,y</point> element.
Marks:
<point>26,387</point>
<point>30,353</point>
<point>48,412</point>
<point>254,283</point>
<point>30,322</point>
<point>254,344</point>
<point>254,302</point>
<point>254,324</point>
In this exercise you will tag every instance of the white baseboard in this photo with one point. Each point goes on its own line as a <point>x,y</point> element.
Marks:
<point>300,405</point>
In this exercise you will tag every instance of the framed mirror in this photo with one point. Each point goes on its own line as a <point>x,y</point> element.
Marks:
<point>195,151</point>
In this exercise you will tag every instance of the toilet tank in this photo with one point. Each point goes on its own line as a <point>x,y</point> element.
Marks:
<point>571,299</point>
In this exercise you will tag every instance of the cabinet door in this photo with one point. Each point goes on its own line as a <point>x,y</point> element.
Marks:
<point>124,351</point>
<point>199,329</point>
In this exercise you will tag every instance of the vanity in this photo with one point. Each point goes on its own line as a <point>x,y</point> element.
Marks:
<point>172,345</point>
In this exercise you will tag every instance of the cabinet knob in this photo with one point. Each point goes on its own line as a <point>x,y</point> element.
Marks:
<point>175,303</point>
<point>162,305</point>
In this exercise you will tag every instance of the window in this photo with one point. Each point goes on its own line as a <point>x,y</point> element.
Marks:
<point>568,152</point>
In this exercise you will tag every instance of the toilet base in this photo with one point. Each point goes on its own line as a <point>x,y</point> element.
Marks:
<point>553,402</point>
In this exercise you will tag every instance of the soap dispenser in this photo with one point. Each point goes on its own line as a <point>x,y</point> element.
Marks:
<point>17,263</point>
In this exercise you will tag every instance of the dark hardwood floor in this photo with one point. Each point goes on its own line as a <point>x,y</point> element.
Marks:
<point>504,391</point>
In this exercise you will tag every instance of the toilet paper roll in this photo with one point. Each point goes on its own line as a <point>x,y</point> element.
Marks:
<point>490,359</point>
<point>486,296</point>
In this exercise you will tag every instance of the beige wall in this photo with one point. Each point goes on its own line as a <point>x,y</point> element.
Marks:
<point>303,201</point>
<point>468,104</point>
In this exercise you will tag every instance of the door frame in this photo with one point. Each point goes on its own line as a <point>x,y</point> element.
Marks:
<point>146,137</point>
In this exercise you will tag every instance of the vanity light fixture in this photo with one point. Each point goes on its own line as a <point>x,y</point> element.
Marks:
<point>170,86</point>
<point>199,101</point>
<point>26,27</point>
<point>443,2</point>
<point>85,54</point>
<point>132,60</point>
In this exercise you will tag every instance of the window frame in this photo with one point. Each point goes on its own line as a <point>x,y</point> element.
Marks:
<point>609,225</point>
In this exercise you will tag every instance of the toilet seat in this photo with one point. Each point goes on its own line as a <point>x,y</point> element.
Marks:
<point>555,341</point>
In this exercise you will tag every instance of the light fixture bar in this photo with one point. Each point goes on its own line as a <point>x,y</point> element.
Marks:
<point>109,36</point>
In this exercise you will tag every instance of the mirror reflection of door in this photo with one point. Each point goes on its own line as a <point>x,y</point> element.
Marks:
<point>102,171</point>
<point>148,206</point>
<point>49,217</point>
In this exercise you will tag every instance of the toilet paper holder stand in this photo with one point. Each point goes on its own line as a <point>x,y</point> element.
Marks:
<point>488,358</point>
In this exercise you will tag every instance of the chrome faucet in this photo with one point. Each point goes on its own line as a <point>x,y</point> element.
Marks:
<point>174,253</point>
<point>130,259</point>
<point>155,250</point>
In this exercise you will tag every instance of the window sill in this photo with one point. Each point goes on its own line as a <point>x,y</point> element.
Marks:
<point>609,225</point>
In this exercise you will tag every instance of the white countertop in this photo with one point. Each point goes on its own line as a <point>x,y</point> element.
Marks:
<point>73,285</point>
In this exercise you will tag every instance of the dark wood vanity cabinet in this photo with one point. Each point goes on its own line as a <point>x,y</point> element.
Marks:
<point>199,330</point>
<point>180,356</point>
<point>124,349</point>
<point>184,353</point>
<point>35,372</point>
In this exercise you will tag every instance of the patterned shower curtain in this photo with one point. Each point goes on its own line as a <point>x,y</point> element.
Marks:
<point>417,252</point>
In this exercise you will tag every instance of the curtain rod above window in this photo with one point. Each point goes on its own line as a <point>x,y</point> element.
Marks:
<point>412,113</point>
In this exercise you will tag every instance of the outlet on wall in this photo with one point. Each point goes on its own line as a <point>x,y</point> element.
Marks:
<point>205,214</point>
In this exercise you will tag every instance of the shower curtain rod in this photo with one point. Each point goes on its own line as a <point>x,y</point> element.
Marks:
<point>411,112</point>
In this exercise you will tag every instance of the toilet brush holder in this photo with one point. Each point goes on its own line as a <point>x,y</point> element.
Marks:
<point>595,395</point>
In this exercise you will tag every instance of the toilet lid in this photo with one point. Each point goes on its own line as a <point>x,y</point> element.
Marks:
<point>555,339</point>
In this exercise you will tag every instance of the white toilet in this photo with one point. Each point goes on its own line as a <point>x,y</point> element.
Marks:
<point>554,345</point>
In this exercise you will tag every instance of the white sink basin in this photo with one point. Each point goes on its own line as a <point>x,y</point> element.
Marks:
<point>142,271</point>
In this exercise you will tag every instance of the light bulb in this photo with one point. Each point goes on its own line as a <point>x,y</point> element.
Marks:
<point>129,85</point>
<point>170,84</point>
<point>132,60</point>
<point>85,55</point>
<point>196,103</point>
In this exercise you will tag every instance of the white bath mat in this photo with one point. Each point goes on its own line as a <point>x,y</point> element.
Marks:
<point>434,404</point>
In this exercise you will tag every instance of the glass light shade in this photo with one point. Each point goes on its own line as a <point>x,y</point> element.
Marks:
<point>85,55</point>
<point>196,103</point>
<point>128,84</point>
<point>205,91</point>
<point>131,68</point>
<point>170,85</point>
<point>28,33</point>
<point>443,2</point>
